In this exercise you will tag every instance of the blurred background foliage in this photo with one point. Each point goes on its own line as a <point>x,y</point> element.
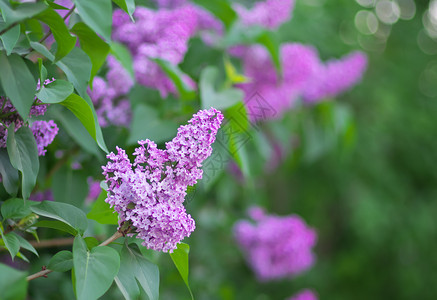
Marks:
<point>372,200</point>
<point>360,168</point>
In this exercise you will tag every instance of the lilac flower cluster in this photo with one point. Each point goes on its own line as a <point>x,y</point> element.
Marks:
<point>276,246</point>
<point>305,295</point>
<point>270,13</point>
<point>110,97</point>
<point>304,75</point>
<point>44,132</point>
<point>160,34</point>
<point>150,192</point>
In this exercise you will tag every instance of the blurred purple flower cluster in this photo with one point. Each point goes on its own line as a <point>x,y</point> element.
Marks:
<point>275,246</point>
<point>43,131</point>
<point>304,76</point>
<point>110,97</point>
<point>160,34</point>
<point>150,192</point>
<point>270,13</point>
<point>305,295</point>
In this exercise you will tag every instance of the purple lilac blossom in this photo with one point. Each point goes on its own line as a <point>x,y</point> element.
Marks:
<point>109,98</point>
<point>298,63</point>
<point>43,131</point>
<point>170,3</point>
<point>305,295</point>
<point>94,189</point>
<point>270,13</point>
<point>304,76</point>
<point>41,196</point>
<point>208,26</point>
<point>160,34</point>
<point>150,192</point>
<point>276,246</point>
<point>335,76</point>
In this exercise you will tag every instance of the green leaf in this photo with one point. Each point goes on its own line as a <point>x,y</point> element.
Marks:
<point>96,14</point>
<point>180,259</point>
<point>80,108</point>
<point>10,38</point>
<point>42,71</point>
<point>77,131</point>
<point>93,45</point>
<point>102,212</point>
<point>16,208</point>
<point>25,244</point>
<point>63,212</point>
<point>91,242</point>
<point>21,12</point>
<point>239,35</point>
<point>58,225</point>
<point>69,186</point>
<point>271,43</point>
<point>122,54</point>
<point>77,67</point>
<point>231,73</point>
<point>127,5</point>
<point>17,82</point>
<point>65,41</point>
<point>41,49</point>
<point>61,261</point>
<point>10,177</point>
<point>217,99</point>
<point>177,77</point>
<point>23,153</point>
<point>222,9</point>
<point>146,124</point>
<point>55,92</point>
<point>96,269</point>
<point>134,267</point>
<point>11,242</point>
<point>13,283</point>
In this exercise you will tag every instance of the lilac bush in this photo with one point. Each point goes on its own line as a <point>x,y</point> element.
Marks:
<point>275,246</point>
<point>150,192</point>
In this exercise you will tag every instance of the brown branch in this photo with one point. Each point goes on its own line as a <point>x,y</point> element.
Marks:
<point>44,272</point>
<point>65,18</point>
<point>9,28</point>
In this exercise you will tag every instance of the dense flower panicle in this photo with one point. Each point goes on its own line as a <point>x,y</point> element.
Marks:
<point>335,76</point>
<point>94,189</point>
<point>150,192</point>
<point>44,133</point>
<point>304,76</point>
<point>305,295</point>
<point>270,13</point>
<point>275,246</point>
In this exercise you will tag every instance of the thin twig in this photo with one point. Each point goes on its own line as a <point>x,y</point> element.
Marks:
<point>65,18</point>
<point>44,272</point>
<point>8,28</point>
